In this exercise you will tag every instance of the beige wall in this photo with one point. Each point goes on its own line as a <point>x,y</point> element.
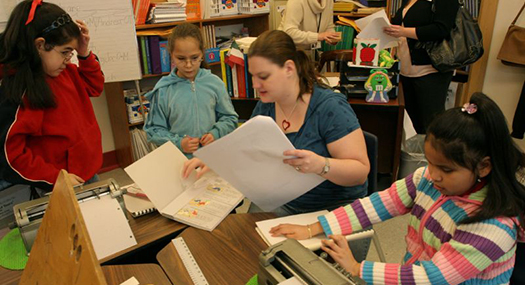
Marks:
<point>503,83</point>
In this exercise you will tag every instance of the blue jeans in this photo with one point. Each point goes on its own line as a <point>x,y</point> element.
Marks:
<point>93,179</point>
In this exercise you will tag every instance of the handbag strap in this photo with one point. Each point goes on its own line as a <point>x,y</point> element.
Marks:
<point>517,16</point>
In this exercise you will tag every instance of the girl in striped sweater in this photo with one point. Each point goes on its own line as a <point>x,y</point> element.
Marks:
<point>466,208</point>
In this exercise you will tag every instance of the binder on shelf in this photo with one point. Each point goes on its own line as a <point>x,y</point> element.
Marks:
<point>148,55</point>
<point>223,67</point>
<point>241,80</point>
<point>229,76</point>
<point>165,61</point>
<point>144,56</point>
<point>155,60</point>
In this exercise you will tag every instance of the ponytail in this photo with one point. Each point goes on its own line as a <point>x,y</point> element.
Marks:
<point>467,135</point>
<point>308,74</point>
<point>506,196</point>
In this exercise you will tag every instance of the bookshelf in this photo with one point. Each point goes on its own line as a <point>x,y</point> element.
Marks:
<point>256,24</point>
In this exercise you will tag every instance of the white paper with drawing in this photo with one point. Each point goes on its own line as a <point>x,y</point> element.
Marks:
<point>202,203</point>
<point>251,159</point>
<point>372,27</point>
<point>112,30</point>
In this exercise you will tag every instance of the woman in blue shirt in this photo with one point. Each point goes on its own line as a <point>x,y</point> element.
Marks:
<point>319,122</point>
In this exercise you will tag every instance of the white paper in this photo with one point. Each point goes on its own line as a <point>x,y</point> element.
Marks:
<point>302,219</point>
<point>263,229</point>
<point>202,203</point>
<point>107,226</point>
<point>251,159</point>
<point>291,281</point>
<point>372,27</point>
<point>131,281</point>
<point>113,38</point>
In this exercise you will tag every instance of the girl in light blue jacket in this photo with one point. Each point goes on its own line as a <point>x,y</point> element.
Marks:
<point>189,107</point>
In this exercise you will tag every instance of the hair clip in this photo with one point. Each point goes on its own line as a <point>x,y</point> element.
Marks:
<point>470,108</point>
<point>32,10</point>
<point>60,21</point>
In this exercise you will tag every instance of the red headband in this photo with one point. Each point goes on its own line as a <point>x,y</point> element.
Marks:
<point>32,11</point>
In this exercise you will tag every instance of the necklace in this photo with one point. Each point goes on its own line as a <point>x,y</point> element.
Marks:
<point>285,123</point>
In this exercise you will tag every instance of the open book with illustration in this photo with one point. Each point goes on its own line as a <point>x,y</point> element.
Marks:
<point>263,229</point>
<point>201,203</point>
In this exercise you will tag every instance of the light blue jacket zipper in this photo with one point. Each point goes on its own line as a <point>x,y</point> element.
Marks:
<point>181,107</point>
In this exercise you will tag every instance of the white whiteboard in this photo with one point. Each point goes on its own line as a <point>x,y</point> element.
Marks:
<point>112,29</point>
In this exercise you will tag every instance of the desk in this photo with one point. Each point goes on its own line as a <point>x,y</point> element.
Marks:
<point>144,273</point>
<point>147,229</point>
<point>386,122</point>
<point>227,255</point>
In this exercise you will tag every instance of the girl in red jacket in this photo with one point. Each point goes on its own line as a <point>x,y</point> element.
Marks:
<point>47,121</point>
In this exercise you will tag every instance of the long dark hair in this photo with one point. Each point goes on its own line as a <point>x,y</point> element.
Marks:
<point>22,66</point>
<point>467,138</point>
<point>187,30</point>
<point>278,47</point>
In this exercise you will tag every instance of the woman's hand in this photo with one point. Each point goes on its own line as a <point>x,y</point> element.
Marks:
<point>400,31</point>
<point>75,180</point>
<point>305,161</point>
<point>191,165</point>
<point>395,31</point>
<point>189,144</point>
<point>83,41</point>
<point>337,247</point>
<point>329,37</point>
<point>207,139</point>
<point>290,231</point>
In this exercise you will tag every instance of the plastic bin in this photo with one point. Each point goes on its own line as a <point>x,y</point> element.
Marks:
<point>412,155</point>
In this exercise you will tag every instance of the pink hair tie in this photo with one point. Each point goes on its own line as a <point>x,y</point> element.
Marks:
<point>470,108</point>
<point>32,11</point>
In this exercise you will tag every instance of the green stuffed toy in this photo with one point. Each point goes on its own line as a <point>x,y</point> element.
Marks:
<point>378,82</point>
<point>385,59</point>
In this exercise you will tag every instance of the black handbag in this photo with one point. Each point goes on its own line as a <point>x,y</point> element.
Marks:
<point>463,47</point>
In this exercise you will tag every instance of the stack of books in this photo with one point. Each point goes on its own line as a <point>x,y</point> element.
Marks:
<point>167,12</point>
<point>344,6</point>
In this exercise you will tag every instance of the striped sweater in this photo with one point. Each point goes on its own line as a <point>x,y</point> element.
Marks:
<point>439,250</point>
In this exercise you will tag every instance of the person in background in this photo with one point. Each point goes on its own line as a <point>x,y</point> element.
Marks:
<point>467,208</point>
<point>309,22</point>
<point>424,88</point>
<point>189,107</point>
<point>47,122</point>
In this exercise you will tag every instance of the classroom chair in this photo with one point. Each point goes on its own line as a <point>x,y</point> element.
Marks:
<point>334,56</point>
<point>372,149</point>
